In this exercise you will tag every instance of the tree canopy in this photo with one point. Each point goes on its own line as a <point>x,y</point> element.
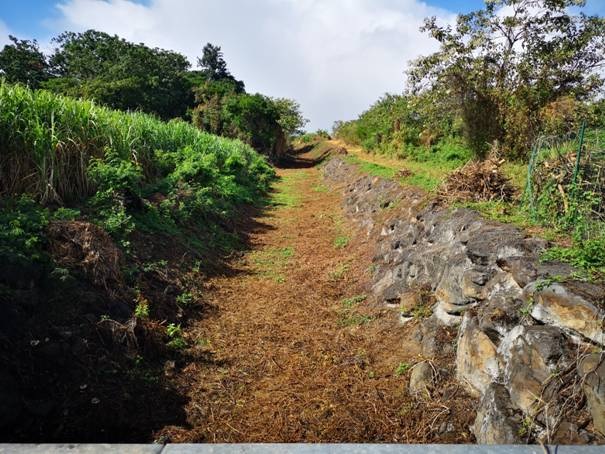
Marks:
<point>214,67</point>
<point>120,74</point>
<point>129,76</point>
<point>290,115</point>
<point>22,61</point>
<point>501,66</point>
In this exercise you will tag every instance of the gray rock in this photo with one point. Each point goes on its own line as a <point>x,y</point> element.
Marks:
<point>568,433</point>
<point>446,315</point>
<point>408,301</point>
<point>522,269</point>
<point>421,379</point>
<point>530,355</point>
<point>497,420</point>
<point>499,316</point>
<point>592,369</point>
<point>428,339</point>
<point>477,362</point>
<point>557,304</point>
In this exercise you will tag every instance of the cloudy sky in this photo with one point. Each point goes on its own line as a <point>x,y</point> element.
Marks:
<point>334,56</point>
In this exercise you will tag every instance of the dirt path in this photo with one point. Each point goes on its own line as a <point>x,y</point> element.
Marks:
<point>293,351</point>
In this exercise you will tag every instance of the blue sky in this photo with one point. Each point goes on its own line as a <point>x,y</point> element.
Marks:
<point>336,57</point>
<point>26,17</point>
<point>33,18</point>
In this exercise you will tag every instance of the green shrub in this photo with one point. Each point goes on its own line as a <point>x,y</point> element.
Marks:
<point>175,334</point>
<point>22,226</point>
<point>224,109</point>
<point>587,255</point>
<point>398,126</point>
<point>185,299</point>
<point>402,368</point>
<point>142,308</point>
<point>341,241</point>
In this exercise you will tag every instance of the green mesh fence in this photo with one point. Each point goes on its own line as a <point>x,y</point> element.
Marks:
<point>566,180</point>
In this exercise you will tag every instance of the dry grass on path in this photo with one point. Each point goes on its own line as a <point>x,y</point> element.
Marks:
<point>294,351</point>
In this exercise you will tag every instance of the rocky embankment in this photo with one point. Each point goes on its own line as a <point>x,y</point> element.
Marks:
<point>531,339</point>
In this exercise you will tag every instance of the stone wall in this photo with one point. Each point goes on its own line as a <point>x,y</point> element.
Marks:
<point>530,337</point>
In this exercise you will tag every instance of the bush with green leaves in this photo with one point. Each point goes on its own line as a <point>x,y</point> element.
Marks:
<point>500,69</point>
<point>588,255</point>
<point>120,74</point>
<point>401,126</point>
<point>175,336</point>
<point>577,218</point>
<point>22,226</point>
<point>224,110</point>
<point>21,61</point>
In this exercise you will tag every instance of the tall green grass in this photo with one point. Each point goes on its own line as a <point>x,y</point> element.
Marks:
<point>48,142</point>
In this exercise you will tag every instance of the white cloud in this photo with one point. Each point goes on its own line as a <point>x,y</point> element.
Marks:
<point>334,57</point>
<point>4,32</point>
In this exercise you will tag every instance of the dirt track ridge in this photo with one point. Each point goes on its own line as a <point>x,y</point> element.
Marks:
<point>294,350</point>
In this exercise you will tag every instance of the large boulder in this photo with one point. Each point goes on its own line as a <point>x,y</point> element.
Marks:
<point>429,338</point>
<point>477,363</point>
<point>556,304</point>
<point>421,379</point>
<point>530,356</point>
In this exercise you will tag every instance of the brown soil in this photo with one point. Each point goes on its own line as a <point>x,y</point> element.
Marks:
<point>287,358</point>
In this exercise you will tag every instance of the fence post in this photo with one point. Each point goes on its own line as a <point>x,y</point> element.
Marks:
<point>576,171</point>
<point>529,193</point>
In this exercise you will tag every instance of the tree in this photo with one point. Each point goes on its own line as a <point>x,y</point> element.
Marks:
<point>253,119</point>
<point>501,66</point>
<point>22,62</point>
<point>121,74</point>
<point>214,66</point>
<point>224,108</point>
<point>210,98</point>
<point>290,116</point>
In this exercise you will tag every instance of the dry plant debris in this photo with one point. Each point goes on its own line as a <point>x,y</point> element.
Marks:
<point>281,366</point>
<point>88,248</point>
<point>478,181</point>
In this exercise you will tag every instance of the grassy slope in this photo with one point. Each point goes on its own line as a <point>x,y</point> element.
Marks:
<point>121,170</point>
<point>170,196</point>
<point>48,141</point>
<point>425,175</point>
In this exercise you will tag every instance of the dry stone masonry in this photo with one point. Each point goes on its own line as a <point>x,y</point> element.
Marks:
<point>531,339</point>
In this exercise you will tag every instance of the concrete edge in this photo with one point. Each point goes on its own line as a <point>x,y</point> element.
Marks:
<point>275,448</point>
